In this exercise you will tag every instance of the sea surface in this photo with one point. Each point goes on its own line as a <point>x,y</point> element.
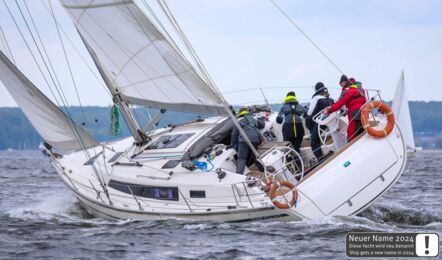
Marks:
<point>40,218</point>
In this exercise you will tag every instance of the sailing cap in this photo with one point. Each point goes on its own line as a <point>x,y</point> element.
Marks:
<point>343,79</point>
<point>319,86</point>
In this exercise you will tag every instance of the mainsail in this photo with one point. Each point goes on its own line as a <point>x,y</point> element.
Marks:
<point>402,112</point>
<point>51,123</point>
<point>143,67</point>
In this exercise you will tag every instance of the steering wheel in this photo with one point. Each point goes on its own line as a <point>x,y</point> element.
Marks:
<point>331,121</point>
<point>290,158</point>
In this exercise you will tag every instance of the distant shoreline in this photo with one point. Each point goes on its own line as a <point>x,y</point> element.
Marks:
<point>17,133</point>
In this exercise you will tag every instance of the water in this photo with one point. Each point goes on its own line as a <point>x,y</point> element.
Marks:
<point>40,218</point>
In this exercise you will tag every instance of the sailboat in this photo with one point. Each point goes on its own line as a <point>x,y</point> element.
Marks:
<point>402,111</point>
<point>188,170</point>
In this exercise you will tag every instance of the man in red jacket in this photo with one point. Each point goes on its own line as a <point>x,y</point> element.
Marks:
<point>353,97</point>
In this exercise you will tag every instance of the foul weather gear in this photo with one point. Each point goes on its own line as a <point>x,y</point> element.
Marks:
<point>251,128</point>
<point>320,100</point>
<point>290,115</point>
<point>353,97</point>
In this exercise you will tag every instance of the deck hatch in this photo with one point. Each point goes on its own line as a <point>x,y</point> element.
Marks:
<point>92,159</point>
<point>115,157</point>
<point>169,141</point>
<point>152,192</point>
<point>171,164</point>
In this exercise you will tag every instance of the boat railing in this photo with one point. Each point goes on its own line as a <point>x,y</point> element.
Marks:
<point>275,95</point>
<point>331,123</point>
<point>241,194</point>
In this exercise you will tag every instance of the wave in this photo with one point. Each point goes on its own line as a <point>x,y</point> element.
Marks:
<point>63,208</point>
<point>398,214</point>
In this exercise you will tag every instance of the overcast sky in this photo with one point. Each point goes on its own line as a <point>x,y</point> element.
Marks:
<point>249,43</point>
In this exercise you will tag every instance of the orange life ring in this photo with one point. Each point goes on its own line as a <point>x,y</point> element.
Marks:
<point>275,187</point>
<point>383,107</point>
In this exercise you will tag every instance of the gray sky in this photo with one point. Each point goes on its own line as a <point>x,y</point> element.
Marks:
<point>248,43</point>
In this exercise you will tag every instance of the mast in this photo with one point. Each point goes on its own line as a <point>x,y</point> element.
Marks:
<point>138,135</point>
<point>138,63</point>
<point>205,73</point>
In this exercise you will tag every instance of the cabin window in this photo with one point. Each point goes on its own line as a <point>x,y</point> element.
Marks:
<point>151,192</point>
<point>169,141</point>
<point>198,194</point>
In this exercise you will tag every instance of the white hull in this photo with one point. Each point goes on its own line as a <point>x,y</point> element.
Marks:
<point>331,190</point>
<point>338,191</point>
<point>258,214</point>
<point>189,170</point>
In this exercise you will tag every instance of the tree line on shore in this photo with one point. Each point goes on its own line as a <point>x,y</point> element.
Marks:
<point>17,133</point>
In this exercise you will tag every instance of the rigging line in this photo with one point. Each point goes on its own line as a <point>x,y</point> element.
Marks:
<point>59,88</point>
<point>168,63</point>
<point>257,88</point>
<point>65,103</point>
<point>7,44</point>
<point>123,49</point>
<point>306,36</point>
<point>148,114</point>
<point>66,57</point>
<point>166,10</point>
<point>41,71</point>
<point>138,110</point>
<point>74,129</point>
<point>79,54</point>
<point>169,39</point>
<point>162,26</point>
<point>210,81</point>
<point>32,54</point>
<point>174,45</point>
<point>61,94</point>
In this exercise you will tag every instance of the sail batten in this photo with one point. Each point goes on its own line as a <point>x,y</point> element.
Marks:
<point>51,122</point>
<point>140,62</point>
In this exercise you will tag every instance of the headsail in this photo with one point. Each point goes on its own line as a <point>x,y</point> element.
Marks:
<point>143,66</point>
<point>51,123</point>
<point>4,46</point>
<point>402,112</point>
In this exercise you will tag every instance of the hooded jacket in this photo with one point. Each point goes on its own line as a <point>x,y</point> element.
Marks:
<point>290,111</point>
<point>251,128</point>
<point>351,98</point>
<point>320,100</point>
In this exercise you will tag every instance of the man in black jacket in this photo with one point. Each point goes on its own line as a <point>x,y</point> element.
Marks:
<point>320,100</point>
<point>251,128</point>
<point>290,116</point>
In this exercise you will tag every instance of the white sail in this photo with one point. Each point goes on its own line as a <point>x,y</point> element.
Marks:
<point>4,47</point>
<point>402,112</point>
<point>51,123</point>
<point>142,65</point>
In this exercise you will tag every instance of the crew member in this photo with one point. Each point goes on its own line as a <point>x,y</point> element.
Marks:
<point>290,116</point>
<point>251,128</point>
<point>353,97</point>
<point>320,100</point>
